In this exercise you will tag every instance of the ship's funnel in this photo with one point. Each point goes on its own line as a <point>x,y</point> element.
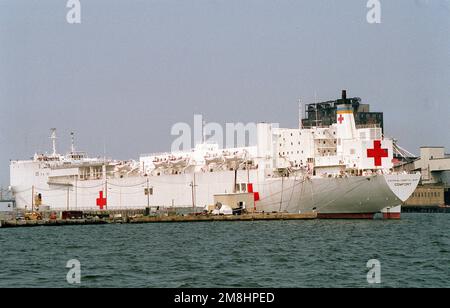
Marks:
<point>346,127</point>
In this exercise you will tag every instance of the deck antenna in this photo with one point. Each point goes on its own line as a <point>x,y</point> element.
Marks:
<point>53,138</point>
<point>104,150</point>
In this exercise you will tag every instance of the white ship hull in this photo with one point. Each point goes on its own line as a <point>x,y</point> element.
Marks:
<point>346,197</point>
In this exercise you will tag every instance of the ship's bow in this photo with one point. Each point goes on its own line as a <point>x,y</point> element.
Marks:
<point>403,186</point>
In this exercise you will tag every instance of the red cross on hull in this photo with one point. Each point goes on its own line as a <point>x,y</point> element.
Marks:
<point>101,202</point>
<point>341,119</point>
<point>377,153</point>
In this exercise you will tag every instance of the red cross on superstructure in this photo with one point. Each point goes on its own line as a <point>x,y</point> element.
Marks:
<point>377,153</point>
<point>341,119</point>
<point>256,196</point>
<point>101,202</point>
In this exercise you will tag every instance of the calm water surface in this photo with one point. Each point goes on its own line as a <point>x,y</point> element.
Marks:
<point>414,252</point>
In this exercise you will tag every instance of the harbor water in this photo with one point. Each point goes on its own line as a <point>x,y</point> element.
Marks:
<point>413,252</point>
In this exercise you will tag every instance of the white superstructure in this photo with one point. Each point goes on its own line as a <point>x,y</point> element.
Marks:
<point>338,171</point>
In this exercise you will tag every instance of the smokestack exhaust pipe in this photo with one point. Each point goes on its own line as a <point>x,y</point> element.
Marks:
<point>344,94</point>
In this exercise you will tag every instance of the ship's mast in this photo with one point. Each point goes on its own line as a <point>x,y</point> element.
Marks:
<point>315,102</point>
<point>53,138</point>
<point>300,114</point>
<point>72,142</point>
<point>203,132</point>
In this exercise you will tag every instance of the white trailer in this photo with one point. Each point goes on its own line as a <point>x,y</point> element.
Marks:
<point>7,206</point>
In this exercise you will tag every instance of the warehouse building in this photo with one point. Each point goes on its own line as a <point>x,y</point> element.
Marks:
<point>434,189</point>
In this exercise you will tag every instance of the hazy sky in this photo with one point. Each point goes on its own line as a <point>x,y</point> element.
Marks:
<point>132,69</point>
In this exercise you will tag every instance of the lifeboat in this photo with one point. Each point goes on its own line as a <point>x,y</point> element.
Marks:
<point>236,157</point>
<point>178,162</point>
<point>214,159</point>
<point>161,163</point>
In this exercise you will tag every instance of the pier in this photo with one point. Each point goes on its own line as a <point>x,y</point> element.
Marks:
<point>57,222</point>
<point>206,218</point>
<point>426,209</point>
<point>141,219</point>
